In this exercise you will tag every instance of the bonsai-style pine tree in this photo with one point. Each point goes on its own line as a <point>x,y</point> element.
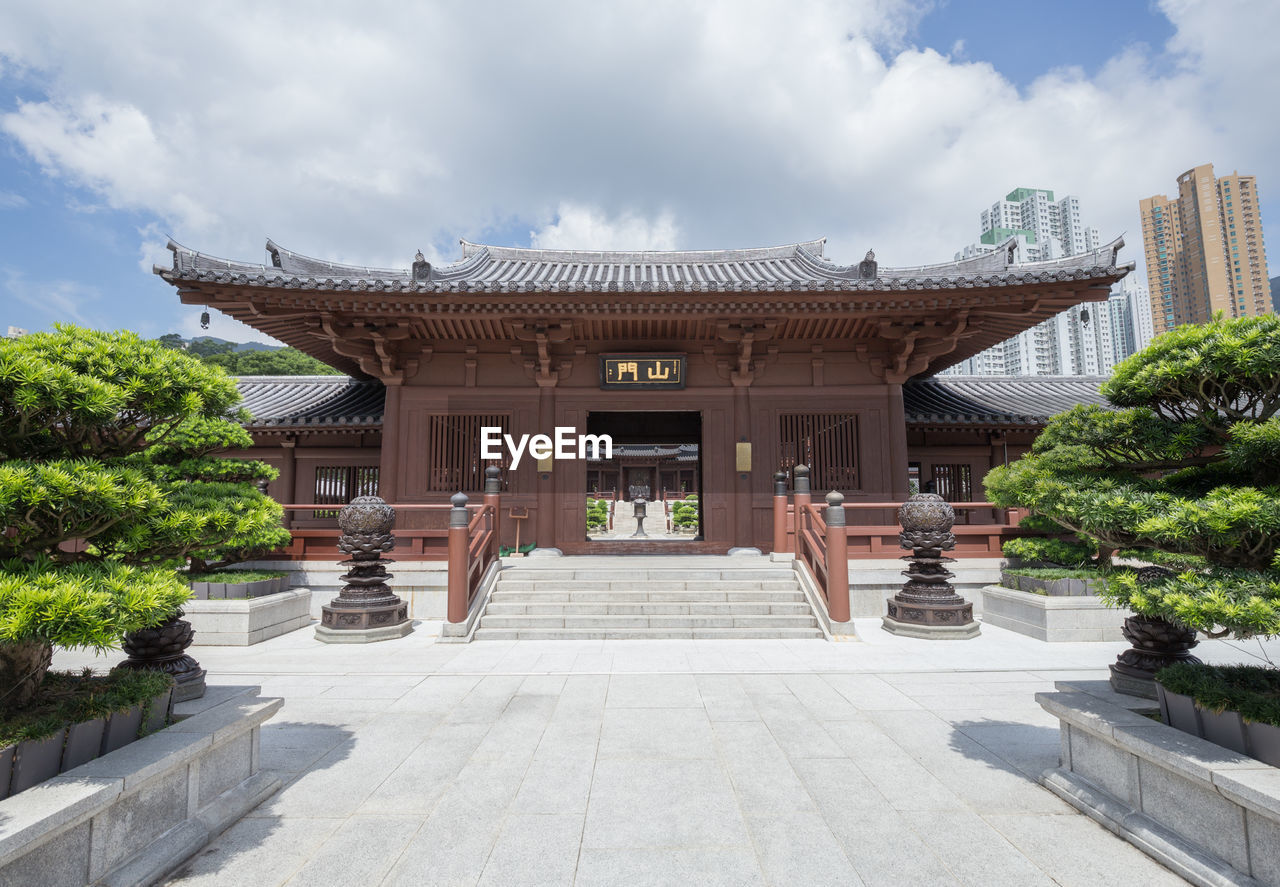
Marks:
<point>107,484</point>
<point>1185,468</point>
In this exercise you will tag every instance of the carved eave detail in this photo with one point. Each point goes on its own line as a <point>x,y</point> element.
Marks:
<point>747,337</point>
<point>541,365</point>
<point>385,351</point>
<point>908,347</point>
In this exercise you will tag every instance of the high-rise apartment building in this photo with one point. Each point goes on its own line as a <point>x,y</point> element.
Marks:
<point>1204,250</point>
<point>1088,339</point>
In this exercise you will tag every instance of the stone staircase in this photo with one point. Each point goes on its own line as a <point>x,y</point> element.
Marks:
<point>647,597</point>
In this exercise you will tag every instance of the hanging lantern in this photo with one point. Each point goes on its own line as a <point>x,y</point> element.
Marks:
<point>204,319</point>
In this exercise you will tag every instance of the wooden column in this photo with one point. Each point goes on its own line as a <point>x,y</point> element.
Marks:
<point>287,483</point>
<point>493,498</point>
<point>389,464</point>
<point>780,511</point>
<point>897,441</point>
<point>545,532</point>
<point>837,559</point>
<point>459,519</point>
<point>741,510</point>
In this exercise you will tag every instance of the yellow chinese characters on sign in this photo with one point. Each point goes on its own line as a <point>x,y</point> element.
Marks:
<point>642,371</point>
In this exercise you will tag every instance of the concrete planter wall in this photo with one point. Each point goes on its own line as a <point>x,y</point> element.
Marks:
<point>134,815</point>
<point>1050,587</point>
<point>873,581</point>
<point>240,623</point>
<point>1051,618</point>
<point>423,585</point>
<point>1209,814</point>
<point>216,591</point>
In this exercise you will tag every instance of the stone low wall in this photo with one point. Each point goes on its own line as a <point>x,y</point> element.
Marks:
<point>1051,618</point>
<point>423,585</point>
<point>1208,813</point>
<point>872,582</point>
<point>134,815</point>
<point>240,623</point>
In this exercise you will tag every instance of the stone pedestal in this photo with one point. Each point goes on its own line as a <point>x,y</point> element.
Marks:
<point>366,610</point>
<point>164,648</point>
<point>1156,644</point>
<point>927,606</point>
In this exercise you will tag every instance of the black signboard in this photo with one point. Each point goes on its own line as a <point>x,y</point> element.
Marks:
<point>642,370</point>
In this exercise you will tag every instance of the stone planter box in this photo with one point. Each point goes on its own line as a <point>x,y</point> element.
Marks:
<point>1050,587</point>
<point>31,762</point>
<point>216,591</point>
<point>1226,728</point>
<point>134,815</point>
<point>240,623</point>
<point>1209,814</point>
<point>1051,618</point>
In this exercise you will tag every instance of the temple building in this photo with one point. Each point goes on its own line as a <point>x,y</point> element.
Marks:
<point>710,371</point>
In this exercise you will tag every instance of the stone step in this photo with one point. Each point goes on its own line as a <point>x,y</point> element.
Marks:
<point>651,585</point>
<point>755,574</point>
<point>571,594</point>
<point>503,607</point>
<point>606,623</point>
<point>586,634</point>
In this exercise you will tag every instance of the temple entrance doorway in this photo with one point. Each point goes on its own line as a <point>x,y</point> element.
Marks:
<point>657,458</point>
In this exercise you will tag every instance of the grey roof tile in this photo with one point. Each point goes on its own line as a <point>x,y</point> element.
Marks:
<point>338,401</point>
<point>499,269</point>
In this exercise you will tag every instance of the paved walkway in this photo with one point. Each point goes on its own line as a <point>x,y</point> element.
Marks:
<point>887,761</point>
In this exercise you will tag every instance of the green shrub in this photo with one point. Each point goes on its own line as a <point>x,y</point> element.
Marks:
<point>71,698</point>
<point>1053,551</point>
<point>1185,468</point>
<point>236,576</point>
<point>1252,691</point>
<point>107,441</point>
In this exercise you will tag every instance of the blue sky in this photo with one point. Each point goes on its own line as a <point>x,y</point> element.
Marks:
<point>886,124</point>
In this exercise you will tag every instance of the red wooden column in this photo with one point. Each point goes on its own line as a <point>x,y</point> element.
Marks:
<point>459,519</point>
<point>389,467</point>
<point>897,439</point>
<point>780,511</point>
<point>493,497</point>
<point>837,559</point>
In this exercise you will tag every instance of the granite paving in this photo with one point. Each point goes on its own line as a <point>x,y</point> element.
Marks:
<point>880,761</point>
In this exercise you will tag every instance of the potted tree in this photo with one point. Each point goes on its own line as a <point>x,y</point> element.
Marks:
<point>1183,470</point>
<point>97,508</point>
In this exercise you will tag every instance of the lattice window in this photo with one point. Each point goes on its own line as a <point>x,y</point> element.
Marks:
<point>826,442</point>
<point>339,484</point>
<point>453,448</point>
<point>954,482</point>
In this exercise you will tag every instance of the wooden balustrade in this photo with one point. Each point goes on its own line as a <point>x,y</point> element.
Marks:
<point>824,542</point>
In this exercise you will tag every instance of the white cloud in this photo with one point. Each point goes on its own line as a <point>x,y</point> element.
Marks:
<point>56,301</point>
<point>583,227</point>
<point>363,132</point>
<point>10,200</point>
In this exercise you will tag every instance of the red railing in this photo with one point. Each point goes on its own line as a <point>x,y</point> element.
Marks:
<point>470,543</point>
<point>824,542</point>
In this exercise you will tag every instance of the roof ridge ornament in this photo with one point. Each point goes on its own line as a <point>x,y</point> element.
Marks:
<point>421,268</point>
<point>867,268</point>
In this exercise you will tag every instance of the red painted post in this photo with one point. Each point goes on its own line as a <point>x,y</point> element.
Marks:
<point>493,498</point>
<point>459,518</point>
<point>837,559</point>
<point>780,511</point>
<point>802,498</point>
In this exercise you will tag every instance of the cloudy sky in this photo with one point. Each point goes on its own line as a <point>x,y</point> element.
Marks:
<point>363,131</point>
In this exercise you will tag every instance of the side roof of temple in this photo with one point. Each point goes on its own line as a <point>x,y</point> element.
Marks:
<point>294,403</point>
<point>798,266</point>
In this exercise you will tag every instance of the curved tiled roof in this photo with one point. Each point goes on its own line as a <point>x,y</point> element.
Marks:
<point>997,400</point>
<point>496,269</point>
<point>338,401</point>
<point>311,401</point>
